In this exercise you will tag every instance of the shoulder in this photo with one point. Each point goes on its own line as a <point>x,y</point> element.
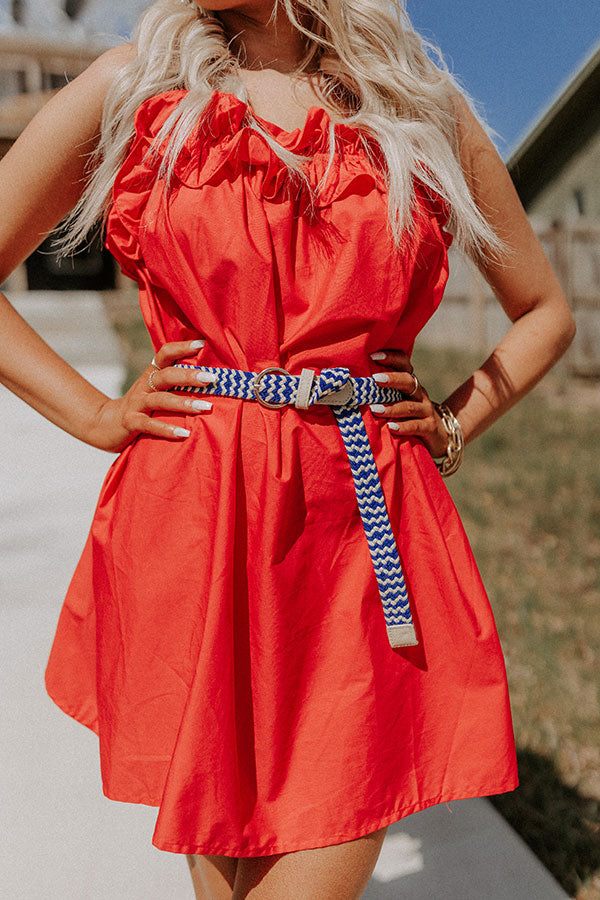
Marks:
<point>42,174</point>
<point>73,116</point>
<point>97,79</point>
<point>107,67</point>
<point>475,147</point>
<point>75,111</point>
<point>486,175</point>
<point>112,61</point>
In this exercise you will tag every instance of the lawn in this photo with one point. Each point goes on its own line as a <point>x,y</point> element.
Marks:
<point>529,496</point>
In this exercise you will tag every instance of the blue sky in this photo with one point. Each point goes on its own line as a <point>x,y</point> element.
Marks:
<point>511,55</point>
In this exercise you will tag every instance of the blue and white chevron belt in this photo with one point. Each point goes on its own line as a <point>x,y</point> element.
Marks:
<point>275,387</point>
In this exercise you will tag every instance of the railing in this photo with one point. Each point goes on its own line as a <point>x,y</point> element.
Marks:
<point>35,55</point>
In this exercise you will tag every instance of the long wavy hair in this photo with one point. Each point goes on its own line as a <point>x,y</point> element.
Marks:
<point>373,69</point>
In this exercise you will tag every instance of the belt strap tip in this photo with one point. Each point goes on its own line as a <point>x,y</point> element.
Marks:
<point>402,635</point>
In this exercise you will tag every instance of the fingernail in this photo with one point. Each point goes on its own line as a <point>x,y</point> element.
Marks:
<point>196,345</point>
<point>393,425</point>
<point>181,432</point>
<point>379,354</point>
<point>200,404</point>
<point>206,376</point>
<point>377,407</point>
<point>381,376</point>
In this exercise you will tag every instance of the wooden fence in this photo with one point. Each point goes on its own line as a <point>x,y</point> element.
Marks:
<point>471,316</point>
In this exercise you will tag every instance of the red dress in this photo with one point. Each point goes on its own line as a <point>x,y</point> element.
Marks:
<point>223,633</point>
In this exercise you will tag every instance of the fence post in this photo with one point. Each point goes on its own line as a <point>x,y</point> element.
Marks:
<point>561,246</point>
<point>477,304</point>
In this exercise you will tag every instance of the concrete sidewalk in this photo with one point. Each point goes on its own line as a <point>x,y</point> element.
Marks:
<point>62,838</point>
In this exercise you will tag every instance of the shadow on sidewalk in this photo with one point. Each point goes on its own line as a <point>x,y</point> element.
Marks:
<point>560,825</point>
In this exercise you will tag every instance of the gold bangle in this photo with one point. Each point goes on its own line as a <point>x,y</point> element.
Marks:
<point>456,441</point>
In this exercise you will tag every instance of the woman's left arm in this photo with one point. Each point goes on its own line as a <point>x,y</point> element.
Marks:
<point>526,287</point>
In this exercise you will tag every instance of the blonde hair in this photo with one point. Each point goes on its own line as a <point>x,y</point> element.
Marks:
<point>376,72</point>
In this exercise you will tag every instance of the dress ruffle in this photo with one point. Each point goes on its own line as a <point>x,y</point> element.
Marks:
<point>223,143</point>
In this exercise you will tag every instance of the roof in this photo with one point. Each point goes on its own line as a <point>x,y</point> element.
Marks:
<point>571,119</point>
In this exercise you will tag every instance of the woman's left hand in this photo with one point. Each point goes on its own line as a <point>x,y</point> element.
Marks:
<point>417,413</point>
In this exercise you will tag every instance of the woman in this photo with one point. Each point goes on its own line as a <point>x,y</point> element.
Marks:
<point>223,633</point>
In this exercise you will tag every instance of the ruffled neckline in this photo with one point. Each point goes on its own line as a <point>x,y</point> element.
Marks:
<point>223,140</point>
<point>231,114</point>
<point>222,146</point>
<point>316,124</point>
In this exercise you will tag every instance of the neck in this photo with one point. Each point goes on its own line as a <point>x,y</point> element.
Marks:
<point>260,44</point>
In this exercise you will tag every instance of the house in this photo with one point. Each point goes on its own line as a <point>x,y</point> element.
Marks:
<point>43,43</point>
<point>556,170</point>
<point>33,67</point>
<point>556,165</point>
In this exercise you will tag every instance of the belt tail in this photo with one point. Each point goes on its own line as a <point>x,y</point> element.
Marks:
<point>380,538</point>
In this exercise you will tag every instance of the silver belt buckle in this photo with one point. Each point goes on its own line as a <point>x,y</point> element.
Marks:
<point>256,387</point>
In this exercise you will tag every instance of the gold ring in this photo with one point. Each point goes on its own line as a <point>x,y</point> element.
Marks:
<point>150,382</point>
<point>416,387</point>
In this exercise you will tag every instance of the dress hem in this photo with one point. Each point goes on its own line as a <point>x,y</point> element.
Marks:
<point>88,723</point>
<point>401,813</point>
<point>215,849</point>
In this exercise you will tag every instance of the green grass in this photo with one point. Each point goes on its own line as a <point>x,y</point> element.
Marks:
<point>529,496</point>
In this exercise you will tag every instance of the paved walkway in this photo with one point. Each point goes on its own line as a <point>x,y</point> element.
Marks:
<point>61,838</point>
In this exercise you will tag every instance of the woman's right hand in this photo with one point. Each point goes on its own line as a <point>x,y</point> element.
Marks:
<point>120,421</point>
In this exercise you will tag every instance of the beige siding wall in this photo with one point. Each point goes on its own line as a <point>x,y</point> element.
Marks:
<point>582,173</point>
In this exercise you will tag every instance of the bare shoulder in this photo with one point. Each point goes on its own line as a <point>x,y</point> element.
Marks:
<point>113,59</point>
<point>77,107</point>
<point>106,68</point>
<point>90,88</point>
<point>43,174</point>
<point>486,174</point>
<point>526,274</point>
<point>477,151</point>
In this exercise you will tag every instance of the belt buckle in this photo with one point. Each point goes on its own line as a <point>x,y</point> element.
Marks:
<point>256,387</point>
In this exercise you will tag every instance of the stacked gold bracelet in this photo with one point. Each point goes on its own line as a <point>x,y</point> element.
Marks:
<point>456,441</point>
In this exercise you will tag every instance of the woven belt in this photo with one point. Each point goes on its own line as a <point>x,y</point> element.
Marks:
<point>275,387</point>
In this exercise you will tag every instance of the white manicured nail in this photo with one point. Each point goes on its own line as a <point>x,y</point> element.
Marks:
<point>381,376</point>
<point>379,354</point>
<point>206,376</point>
<point>181,432</point>
<point>393,425</point>
<point>377,407</point>
<point>200,404</point>
<point>196,345</point>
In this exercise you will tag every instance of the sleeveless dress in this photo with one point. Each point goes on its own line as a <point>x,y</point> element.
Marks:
<point>223,633</point>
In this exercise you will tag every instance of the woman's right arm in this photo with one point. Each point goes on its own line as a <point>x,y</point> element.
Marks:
<point>41,179</point>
